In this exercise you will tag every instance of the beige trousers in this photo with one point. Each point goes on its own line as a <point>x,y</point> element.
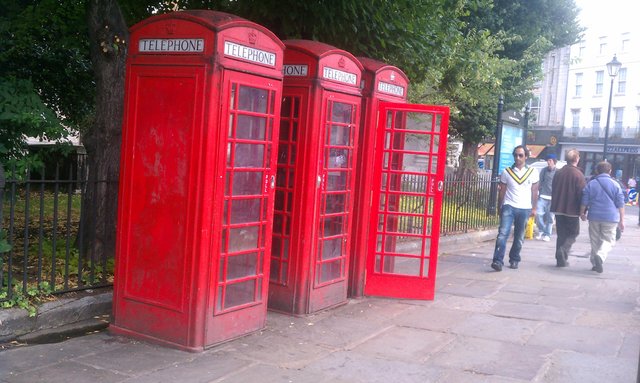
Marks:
<point>603,237</point>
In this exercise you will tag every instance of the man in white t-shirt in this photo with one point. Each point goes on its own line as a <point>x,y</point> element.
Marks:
<point>517,200</point>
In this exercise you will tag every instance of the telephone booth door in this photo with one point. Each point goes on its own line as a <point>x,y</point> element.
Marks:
<point>246,196</point>
<point>382,83</point>
<point>315,178</point>
<point>406,200</point>
<point>335,198</point>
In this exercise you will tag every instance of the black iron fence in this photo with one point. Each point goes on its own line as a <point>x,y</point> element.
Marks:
<point>464,204</point>
<point>40,222</point>
<point>41,245</point>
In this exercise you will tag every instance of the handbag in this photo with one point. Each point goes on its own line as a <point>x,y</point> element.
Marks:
<point>618,231</point>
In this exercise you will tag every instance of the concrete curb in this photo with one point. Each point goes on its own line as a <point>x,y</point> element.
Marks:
<point>57,316</point>
<point>455,243</point>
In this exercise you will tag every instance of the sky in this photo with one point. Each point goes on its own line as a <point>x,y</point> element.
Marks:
<point>609,16</point>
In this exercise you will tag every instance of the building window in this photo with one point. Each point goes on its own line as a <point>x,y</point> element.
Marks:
<point>622,80</point>
<point>599,82</point>
<point>578,85</point>
<point>603,45</point>
<point>575,121</point>
<point>595,122</point>
<point>582,48</point>
<point>617,125</point>
<point>625,44</point>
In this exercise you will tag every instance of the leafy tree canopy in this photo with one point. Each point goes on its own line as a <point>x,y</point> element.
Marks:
<point>463,53</point>
<point>501,54</point>
<point>46,85</point>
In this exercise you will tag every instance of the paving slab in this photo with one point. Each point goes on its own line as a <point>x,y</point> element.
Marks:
<point>25,358</point>
<point>65,372</point>
<point>475,288</point>
<point>204,368</point>
<point>265,373</point>
<point>588,340</point>
<point>339,332</point>
<point>569,366</point>
<point>432,318</point>
<point>627,322</point>
<point>360,368</point>
<point>376,310</point>
<point>630,348</point>
<point>621,306</point>
<point>283,351</point>
<point>134,358</point>
<point>535,312</point>
<point>488,326</point>
<point>516,297</point>
<point>474,377</point>
<point>465,303</point>
<point>489,357</point>
<point>405,343</point>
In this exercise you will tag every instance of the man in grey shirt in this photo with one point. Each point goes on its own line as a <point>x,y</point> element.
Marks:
<point>544,216</point>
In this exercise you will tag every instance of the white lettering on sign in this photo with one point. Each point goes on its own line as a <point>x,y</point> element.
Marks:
<point>390,88</point>
<point>171,45</point>
<point>249,54</point>
<point>338,75</point>
<point>295,70</point>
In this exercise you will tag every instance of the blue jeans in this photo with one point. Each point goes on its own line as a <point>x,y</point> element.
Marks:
<point>544,216</point>
<point>508,217</point>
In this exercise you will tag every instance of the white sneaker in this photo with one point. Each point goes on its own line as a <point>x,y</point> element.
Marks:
<point>546,238</point>
<point>539,236</point>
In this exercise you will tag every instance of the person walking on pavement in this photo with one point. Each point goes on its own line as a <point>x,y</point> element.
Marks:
<point>516,201</point>
<point>566,194</point>
<point>544,216</point>
<point>603,201</point>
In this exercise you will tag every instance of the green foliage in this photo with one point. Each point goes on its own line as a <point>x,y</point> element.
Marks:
<point>500,53</point>
<point>456,52</point>
<point>25,300</point>
<point>415,35</point>
<point>4,244</point>
<point>45,74</point>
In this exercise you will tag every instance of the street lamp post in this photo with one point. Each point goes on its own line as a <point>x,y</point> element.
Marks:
<point>526,125</point>
<point>612,67</point>
<point>495,177</point>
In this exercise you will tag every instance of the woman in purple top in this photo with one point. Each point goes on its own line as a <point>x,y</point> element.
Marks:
<point>603,199</point>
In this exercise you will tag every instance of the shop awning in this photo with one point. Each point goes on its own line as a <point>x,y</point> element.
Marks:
<point>487,150</point>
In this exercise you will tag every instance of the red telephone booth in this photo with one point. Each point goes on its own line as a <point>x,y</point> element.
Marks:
<point>406,200</point>
<point>382,82</point>
<point>314,187</point>
<point>202,111</point>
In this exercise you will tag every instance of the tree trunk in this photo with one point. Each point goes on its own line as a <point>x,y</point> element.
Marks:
<point>108,34</point>
<point>468,160</point>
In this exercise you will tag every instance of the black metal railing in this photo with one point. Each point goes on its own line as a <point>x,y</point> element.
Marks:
<point>40,221</point>
<point>464,204</point>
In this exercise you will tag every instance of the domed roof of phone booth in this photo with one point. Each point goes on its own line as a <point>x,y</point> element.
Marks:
<point>374,65</point>
<point>319,50</point>
<point>214,20</point>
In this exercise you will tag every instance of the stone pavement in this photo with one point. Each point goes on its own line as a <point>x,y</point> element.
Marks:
<point>535,324</point>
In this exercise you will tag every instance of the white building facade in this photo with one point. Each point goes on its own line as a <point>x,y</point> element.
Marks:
<point>574,100</point>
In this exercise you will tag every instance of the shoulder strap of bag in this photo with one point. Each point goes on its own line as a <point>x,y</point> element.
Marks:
<point>605,191</point>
